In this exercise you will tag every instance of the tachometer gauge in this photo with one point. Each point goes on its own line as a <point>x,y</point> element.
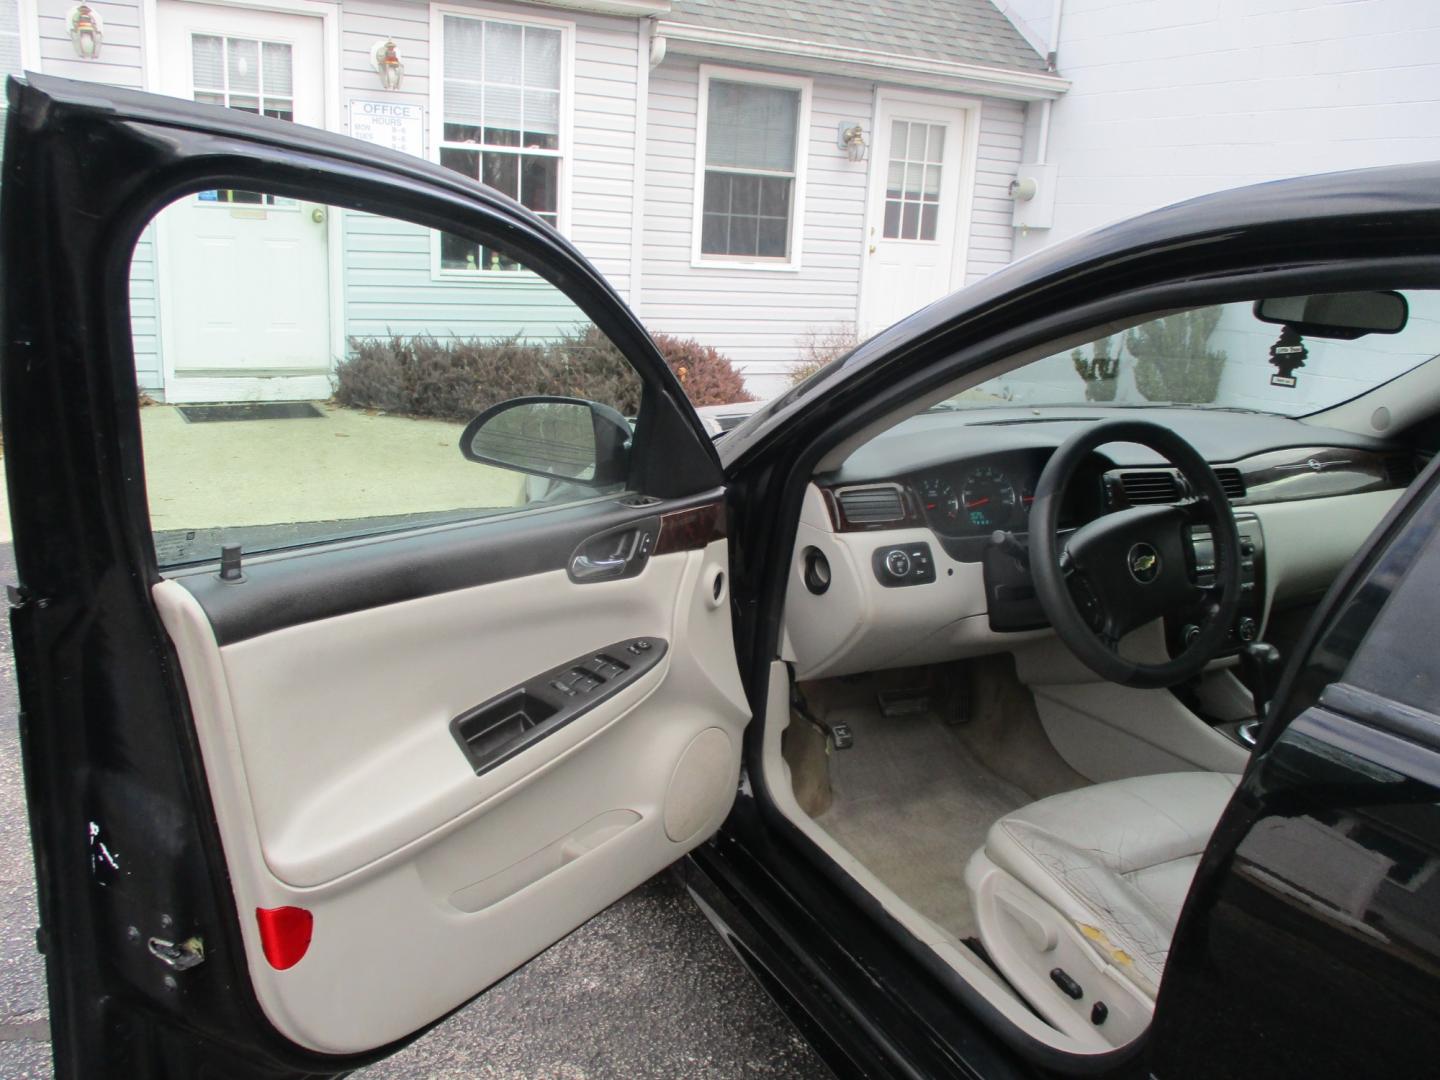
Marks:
<point>987,498</point>
<point>942,505</point>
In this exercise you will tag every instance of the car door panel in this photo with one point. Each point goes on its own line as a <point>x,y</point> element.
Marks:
<point>339,787</point>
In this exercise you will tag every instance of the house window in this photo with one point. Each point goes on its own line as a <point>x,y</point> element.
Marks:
<point>500,112</point>
<point>753,168</point>
<point>912,185</point>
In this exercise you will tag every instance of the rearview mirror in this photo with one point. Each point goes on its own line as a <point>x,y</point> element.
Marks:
<point>582,442</point>
<point>1345,316</point>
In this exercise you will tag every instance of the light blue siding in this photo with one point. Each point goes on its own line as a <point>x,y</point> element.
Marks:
<point>390,289</point>
<point>145,317</point>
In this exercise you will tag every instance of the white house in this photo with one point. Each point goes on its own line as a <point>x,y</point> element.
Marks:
<point>745,173</point>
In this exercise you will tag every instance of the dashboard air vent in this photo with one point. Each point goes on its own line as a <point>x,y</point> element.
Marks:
<point>1157,486</point>
<point>869,506</point>
<point>1233,483</point>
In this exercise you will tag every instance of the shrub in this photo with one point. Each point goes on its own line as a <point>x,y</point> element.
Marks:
<point>1101,371</point>
<point>1172,361</point>
<point>820,346</point>
<point>457,378</point>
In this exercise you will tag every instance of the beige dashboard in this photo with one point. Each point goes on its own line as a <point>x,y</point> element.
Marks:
<point>858,623</point>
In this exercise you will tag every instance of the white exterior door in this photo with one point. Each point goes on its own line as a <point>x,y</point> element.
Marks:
<point>271,252</point>
<point>912,222</point>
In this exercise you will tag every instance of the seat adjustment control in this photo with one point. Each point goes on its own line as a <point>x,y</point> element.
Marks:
<point>903,564</point>
<point>1068,986</point>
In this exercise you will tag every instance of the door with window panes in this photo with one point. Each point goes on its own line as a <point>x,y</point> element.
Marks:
<point>500,121</point>
<point>266,256</point>
<point>912,220</point>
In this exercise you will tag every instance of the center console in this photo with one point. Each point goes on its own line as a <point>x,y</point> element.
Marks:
<point>1182,628</point>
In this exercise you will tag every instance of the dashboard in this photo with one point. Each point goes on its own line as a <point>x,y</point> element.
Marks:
<point>897,561</point>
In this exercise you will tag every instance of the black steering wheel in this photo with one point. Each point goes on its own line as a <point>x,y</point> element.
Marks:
<point>1129,567</point>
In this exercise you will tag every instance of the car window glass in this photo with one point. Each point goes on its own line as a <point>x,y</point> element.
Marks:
<point>306,373</point>
<point>1219,357</point>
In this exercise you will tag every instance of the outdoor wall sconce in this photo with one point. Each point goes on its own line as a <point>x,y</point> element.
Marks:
<point>385,57</point>
<point>850,137</point>
<point>86,31</point>
<point>1023,188</point>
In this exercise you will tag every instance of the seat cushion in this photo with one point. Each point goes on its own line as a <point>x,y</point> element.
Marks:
<point>1117,859</point>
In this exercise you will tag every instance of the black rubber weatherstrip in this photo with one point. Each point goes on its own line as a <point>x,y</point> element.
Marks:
<point>319,582</point>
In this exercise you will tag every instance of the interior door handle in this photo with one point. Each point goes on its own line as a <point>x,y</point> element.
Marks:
<point>584,568</point>
<point>619,553</point>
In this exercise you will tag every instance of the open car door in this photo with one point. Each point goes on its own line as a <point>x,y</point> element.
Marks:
<point>293,805</point>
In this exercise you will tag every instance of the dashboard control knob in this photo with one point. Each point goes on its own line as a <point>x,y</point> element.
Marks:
<point>897,564</point>
<point>1189,634</point>
<point>1247,629</point>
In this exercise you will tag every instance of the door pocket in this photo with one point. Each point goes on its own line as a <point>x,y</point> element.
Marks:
<point>552,857</point>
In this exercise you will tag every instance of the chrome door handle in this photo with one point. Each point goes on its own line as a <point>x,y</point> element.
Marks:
<point>584,568</point>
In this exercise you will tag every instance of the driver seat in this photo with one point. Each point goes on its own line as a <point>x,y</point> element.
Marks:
<point>1076,896</point>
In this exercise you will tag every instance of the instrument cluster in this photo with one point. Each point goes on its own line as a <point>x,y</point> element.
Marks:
<point>977,499</point>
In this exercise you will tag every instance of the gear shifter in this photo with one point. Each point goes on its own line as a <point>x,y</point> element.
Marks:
<point>1260,663</point>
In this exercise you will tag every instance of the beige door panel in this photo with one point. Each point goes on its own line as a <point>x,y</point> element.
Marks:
<point>339,788</point>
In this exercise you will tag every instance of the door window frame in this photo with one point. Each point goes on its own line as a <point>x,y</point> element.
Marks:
<point>565,151</point>
<point>805,86</point>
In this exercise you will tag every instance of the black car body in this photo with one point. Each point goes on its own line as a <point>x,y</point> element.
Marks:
<point>149,971</point>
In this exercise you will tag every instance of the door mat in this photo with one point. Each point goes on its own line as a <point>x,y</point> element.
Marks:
<point>258,410</point>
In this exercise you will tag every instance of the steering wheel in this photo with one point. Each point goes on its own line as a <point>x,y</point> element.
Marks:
<point>1129,567</point>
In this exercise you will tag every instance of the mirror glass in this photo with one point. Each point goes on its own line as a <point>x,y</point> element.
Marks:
<point>1337,315</point>
<point>547,438</point>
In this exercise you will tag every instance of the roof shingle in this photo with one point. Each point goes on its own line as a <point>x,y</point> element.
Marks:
<point>959,31</point>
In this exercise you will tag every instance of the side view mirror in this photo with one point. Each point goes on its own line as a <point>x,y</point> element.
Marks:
<point>1345,316</point>
<point>580,442</point>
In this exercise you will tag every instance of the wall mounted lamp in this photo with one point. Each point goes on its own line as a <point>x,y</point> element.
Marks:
<point>850,137</point>
<point>385,56</point>
<point>86,31</point>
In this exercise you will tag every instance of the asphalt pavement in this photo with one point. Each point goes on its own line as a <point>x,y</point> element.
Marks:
<point>646,989</point>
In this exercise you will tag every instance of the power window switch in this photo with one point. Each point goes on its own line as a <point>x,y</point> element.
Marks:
<point>562,687</point>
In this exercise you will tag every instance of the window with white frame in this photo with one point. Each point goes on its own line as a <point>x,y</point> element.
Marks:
<point>500,108</point>
<point>753,168</point>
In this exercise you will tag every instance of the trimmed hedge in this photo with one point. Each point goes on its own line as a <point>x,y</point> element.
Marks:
<point>457,378</point>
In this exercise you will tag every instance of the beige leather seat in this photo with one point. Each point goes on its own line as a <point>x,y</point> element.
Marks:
<point>1093,880</point>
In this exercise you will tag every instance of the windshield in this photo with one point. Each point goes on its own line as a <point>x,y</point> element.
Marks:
<point>1221,357</point>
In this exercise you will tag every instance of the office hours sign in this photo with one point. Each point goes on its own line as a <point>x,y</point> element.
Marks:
<point>386,123</point>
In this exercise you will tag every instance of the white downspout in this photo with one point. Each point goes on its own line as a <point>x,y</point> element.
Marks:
<point>1043,143</point>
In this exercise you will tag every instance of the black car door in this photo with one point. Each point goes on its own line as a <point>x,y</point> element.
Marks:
<point>300,785</point>
<point>1310,945</point>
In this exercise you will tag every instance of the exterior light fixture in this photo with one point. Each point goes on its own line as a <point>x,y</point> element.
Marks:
<point>850,137</point>
<point>86,31</point>
<point>385,57</point>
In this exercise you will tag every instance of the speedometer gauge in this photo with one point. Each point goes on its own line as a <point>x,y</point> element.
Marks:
<point>987,498</point>
<point>941,502</point>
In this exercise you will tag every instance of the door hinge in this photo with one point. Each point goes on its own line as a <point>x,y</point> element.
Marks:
<point>21,597</point>
<point>182,957</point>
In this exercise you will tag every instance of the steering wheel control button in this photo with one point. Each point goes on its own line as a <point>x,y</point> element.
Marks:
<point>1247,629</point>
<point>1068,986</point>
<point>908,564</point>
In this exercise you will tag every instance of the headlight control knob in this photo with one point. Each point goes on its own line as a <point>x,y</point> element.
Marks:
<point>897,564</point>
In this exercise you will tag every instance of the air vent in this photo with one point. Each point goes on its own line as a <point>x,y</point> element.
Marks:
<point>1233,483</point>
<point>1155,486</point>
<point>1400,470</point>
<point>870,506</point>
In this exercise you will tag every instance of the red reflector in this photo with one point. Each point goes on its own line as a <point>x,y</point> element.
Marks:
<point>284,934</point>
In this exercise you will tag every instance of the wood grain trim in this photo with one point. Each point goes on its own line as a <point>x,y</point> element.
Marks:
<point>691,530</point>
<point>1318,472</point>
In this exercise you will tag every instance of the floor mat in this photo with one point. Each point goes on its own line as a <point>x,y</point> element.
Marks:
<point>255,410</point>
<point>912,803</point>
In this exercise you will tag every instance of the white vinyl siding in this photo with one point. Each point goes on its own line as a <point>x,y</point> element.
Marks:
<point>992,236</point>
<point>760,319</point>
